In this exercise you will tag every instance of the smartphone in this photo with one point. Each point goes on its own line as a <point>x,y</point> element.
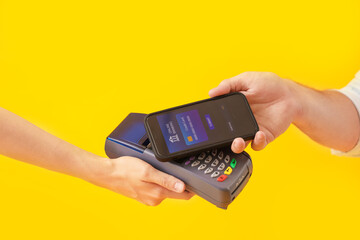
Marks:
<point>195,127</point>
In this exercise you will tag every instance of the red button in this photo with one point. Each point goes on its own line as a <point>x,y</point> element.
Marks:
<point>222,178</point>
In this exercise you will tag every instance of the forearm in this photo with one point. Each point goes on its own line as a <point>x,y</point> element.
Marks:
<point>129,176</point>
<point>328,117</point>
<point>21,140</point>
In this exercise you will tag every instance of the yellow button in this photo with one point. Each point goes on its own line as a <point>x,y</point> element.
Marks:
<point>228,171</point>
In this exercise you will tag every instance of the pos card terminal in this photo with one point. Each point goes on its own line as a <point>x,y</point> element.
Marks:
<point>217,175</point>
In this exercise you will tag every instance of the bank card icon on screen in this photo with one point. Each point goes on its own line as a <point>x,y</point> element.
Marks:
<point>191,127</point>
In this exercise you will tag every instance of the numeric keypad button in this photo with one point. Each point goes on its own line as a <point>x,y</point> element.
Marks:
<point>208,159</point>
<point>194,164</point>
<point>233,163</point>
<point>214,152</point>
<point>227,159</point>
<point>202,166</point>
<point>202,156</point>
<point>228,171</point>
<point>221,155</point>
<point>208,170</point>
<point>215,163</point>
<point>222,178</point>
<point>221,166</point>
<point>215,174</point>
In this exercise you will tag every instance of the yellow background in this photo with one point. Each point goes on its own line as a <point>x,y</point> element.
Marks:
<point>77,68</point>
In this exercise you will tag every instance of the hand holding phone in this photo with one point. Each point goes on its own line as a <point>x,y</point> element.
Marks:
<point>188,129</point>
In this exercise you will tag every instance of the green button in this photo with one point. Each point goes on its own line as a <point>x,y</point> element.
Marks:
<point>233,163</point>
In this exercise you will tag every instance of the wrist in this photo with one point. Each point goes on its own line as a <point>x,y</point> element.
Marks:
<point>298,99</point>
<point>97,169</point>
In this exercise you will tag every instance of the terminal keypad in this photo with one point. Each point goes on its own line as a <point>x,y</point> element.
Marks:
<point>216,163</point>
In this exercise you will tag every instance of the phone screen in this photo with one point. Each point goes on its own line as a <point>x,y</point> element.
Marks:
<point>181,130</point>
<point>204,123</point>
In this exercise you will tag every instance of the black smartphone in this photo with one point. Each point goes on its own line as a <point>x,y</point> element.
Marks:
<point>191,128</point>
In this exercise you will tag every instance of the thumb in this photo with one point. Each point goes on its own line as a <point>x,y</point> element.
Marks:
<point>234,84</point>
<point>165,180</point>
<point>222,89</point>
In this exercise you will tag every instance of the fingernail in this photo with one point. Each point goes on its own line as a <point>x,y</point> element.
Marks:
<point>178,186</point>
<point>234,145</point>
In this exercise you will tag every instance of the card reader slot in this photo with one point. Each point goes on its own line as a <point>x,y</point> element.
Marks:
<point>240,184</point>
<point>146,143</point>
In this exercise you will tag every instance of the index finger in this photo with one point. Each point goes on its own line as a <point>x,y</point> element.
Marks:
<point>165,180</point>
<point>184,195</point>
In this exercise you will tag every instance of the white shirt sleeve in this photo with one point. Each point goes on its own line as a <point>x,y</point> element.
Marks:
<point>352,91</point>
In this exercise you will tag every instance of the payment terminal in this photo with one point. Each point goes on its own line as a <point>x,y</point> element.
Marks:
<point>217,175</point>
